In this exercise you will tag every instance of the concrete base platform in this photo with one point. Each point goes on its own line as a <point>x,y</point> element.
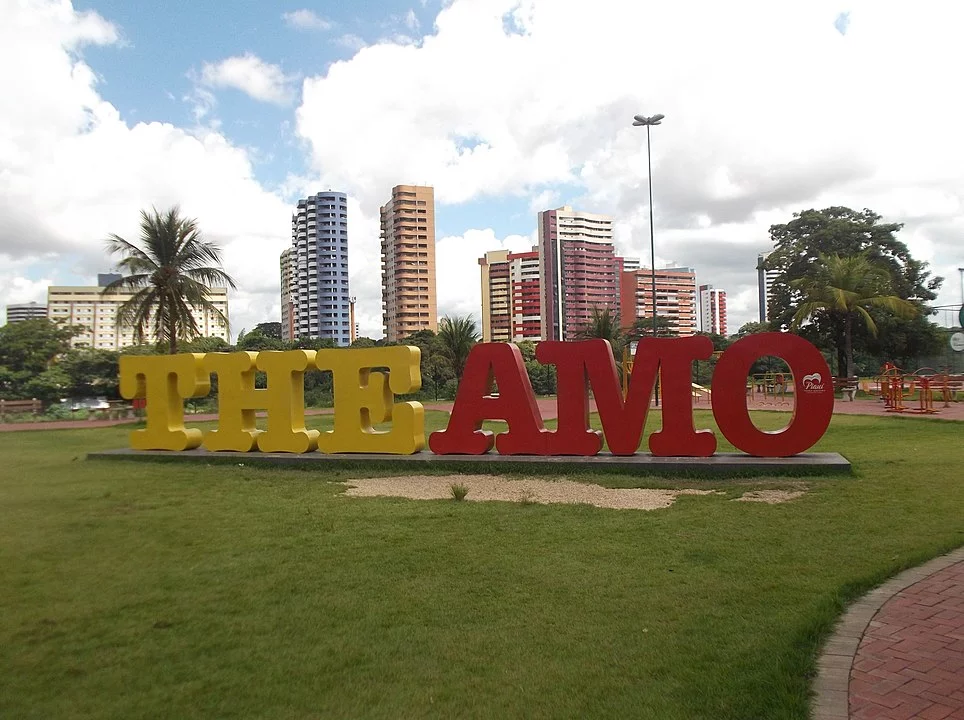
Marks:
<point>721,464</point>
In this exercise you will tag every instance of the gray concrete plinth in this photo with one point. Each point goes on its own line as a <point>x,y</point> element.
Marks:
<point>721,464</point>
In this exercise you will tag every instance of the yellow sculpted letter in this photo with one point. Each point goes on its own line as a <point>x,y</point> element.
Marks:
<point>364,397</point>
<point>283,400</point>
<point>164,381</point>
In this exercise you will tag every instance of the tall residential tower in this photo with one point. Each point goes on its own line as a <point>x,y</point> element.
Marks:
<point>764,282</point>
<point>712,310</point>
<point>316,266</point>
<point>408,262</point>
<point>578,268</point>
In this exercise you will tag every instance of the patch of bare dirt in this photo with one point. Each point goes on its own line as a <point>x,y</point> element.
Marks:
<point>490,487</point>
<point>771,497</point>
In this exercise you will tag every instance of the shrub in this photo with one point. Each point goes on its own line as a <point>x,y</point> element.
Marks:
<point>459,491</point>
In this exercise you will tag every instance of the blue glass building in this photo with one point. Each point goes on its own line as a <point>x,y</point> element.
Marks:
<point>318,283</point>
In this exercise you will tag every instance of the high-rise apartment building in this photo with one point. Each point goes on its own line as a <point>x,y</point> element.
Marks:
<point>712,310</point>
<point>289,294</point>
<point>627,264</point>
<point>764,281</point>
<point>25,311</point>
<point>317,270</point>
<point>95,313</point>
<point>675,297</point>
<point>408,262</point>
<point>510,296</point>
<point>578,268</point>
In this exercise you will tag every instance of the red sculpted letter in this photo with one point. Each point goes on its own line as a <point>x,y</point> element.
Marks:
<point>515,404</point>
<point>678,436</point>
<point>812,395</point>
<point>572,436</point>
<point>623,422</point>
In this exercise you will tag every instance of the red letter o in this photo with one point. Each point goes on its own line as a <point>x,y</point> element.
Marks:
<point>812,395</point>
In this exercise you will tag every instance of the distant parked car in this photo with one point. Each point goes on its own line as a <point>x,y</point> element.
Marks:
<point>97,403</point>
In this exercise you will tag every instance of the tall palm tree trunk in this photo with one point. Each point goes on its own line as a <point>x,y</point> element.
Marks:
<point>172,331</point>
<point>849,343</point>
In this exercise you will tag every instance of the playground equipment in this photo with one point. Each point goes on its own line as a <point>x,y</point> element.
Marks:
<point>895,386</point>
<point>771,387</point>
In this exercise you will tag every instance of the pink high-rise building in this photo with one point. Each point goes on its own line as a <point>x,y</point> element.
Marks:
<point>578,268</point>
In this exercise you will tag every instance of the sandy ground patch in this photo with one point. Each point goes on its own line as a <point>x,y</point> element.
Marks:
<point>489,487</point>
<point>770,496</point>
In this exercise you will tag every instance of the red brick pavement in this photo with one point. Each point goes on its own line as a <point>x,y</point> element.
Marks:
<point>910,661</point>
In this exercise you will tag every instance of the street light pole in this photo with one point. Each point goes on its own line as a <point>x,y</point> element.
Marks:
<point>648,122</point>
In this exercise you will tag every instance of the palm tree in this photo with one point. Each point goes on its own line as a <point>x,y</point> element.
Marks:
<point>845,287</point>
<point>604,325</point>
<point>457,335</point>
<point>170,271</point>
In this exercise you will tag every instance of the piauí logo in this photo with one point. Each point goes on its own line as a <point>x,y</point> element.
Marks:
<point>813,382</point>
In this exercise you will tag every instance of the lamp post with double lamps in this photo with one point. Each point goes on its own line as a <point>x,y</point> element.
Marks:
<point>648,122</point>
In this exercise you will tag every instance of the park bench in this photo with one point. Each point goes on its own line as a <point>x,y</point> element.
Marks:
<point>19,407</point>
<point>846,386</point>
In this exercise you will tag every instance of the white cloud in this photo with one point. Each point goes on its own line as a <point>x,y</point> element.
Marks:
<point>305,19</point>
<point>351,41</point>
<point>458,293</point>
<point>251,75</point>
<point>74,171</point>
<point>769,109</point>
<point>411,20</point>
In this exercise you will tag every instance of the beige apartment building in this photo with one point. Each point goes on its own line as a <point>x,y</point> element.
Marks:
<point>510,296</point>
<point>95,312</point>
<point>676,298</point>
<point>408,262</point>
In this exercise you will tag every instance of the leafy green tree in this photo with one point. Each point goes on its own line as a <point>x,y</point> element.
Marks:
<point>902,342</point>
<point>436,371</point>
<point>643,328</point>
<point>457,336</point>
<point>752,328</point>
<point>32,345</point>
<point>269,329</point>
<point>843,232</point>
<point>169,272</point>
<point>91,373</point>
<point>50,385</point>
<point>844,288</point>
<point>363,342</point>
<point>528,350</point>
<point>256,341</point>
<point>206,345</point>
<point>541,377</point>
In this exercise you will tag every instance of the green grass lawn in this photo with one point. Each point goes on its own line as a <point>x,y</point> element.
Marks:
<point>143,590</point>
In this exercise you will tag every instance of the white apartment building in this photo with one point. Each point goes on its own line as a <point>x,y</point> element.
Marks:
<point>25,311</point>
<point>713,310</point>
<point>95,311</point>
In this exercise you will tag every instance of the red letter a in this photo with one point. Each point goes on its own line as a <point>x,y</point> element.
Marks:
<point>515,404</point>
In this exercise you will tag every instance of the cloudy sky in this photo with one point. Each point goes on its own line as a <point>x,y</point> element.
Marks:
<point>508,107</point>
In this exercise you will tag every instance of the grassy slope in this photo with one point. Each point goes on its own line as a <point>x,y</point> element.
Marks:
<point>167,590</point>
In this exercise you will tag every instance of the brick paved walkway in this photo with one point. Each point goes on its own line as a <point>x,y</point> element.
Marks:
<point>910,662</point>
<point>898,652</point>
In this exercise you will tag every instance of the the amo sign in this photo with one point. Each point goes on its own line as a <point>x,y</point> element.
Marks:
<point>366,381</point>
